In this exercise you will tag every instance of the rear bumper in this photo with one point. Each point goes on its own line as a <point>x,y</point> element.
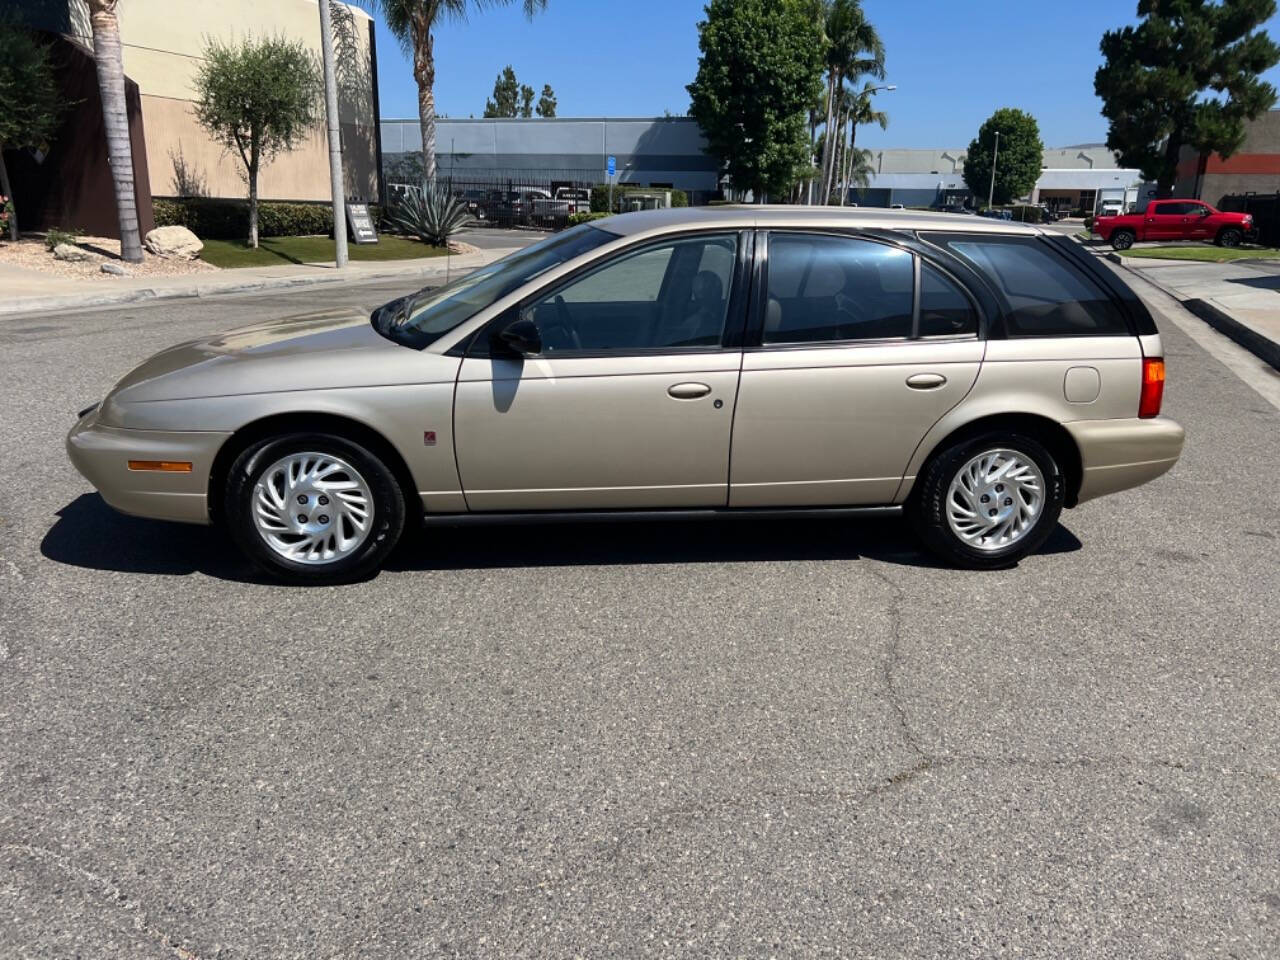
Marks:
<point>102,456</point>
<point>1120,454</point>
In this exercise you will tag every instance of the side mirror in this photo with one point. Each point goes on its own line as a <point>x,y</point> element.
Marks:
<point>521,336</point>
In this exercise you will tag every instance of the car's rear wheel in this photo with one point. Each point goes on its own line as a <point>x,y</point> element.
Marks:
<point>313,508</point>
<point>988,501</point>
<point>1230,237</point>
<point>1122,239</point>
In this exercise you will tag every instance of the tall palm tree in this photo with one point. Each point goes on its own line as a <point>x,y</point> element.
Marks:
<point>414,23</point>
<point>115,120</point>
<point>854,49</point>
<point>860,112</point>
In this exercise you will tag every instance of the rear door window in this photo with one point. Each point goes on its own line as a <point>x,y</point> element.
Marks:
<point>1044,296</point>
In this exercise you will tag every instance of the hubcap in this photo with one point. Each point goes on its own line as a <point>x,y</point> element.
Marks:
<point>995,499</point>
<point>312,508</point>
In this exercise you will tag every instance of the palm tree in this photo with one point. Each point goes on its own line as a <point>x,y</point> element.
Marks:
<point>854,49</point>
<point>414,23</point>
<point>859,112</point>
<point>115,120</point>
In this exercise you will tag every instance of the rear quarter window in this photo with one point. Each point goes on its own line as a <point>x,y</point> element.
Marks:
<point>1043,295</point>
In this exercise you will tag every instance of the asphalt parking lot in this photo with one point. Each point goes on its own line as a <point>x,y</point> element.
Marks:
<point>736,739</point>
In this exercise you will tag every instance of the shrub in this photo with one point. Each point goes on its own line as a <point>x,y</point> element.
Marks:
<point>600,195</point>
<point>577,218</point>
<point>432,214</point>
<point>1088,223</point>
<point>1027,213</point>
<point>218,219</point>
<point>56,236</point>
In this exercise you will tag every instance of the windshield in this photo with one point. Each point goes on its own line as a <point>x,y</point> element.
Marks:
<point>424,317</point>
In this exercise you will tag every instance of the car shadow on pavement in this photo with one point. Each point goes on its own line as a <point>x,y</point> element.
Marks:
<point>90,534</point>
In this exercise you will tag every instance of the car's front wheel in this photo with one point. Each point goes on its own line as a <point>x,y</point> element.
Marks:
<point>989,501</point>
<point>313,508</point>
<point>1230,237</point>
<point>1122,239</point>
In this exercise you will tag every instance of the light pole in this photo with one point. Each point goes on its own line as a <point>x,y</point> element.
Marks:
<point>848,165</point>
<point>995,155</point>
<point>335,138</point>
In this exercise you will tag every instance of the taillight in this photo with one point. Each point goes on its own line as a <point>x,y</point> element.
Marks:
<point>1152,387</point>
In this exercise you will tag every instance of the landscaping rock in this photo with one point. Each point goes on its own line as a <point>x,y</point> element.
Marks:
<point>70,252</point>
<point>173,243</point>
<point>114,268</point>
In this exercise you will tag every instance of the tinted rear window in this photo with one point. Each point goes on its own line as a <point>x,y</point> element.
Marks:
<point>1044,295</point>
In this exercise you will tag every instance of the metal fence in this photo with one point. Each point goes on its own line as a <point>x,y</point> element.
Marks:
<point>1265,208</point>
<point>535,202</point>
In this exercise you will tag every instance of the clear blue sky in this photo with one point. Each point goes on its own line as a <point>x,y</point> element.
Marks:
<point>954,63</point>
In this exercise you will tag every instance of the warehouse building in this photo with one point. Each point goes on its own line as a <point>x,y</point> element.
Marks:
<point>1253,169</point>
<point>69,184</point>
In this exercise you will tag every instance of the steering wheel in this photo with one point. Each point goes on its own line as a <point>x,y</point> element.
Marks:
<point>563,325</point>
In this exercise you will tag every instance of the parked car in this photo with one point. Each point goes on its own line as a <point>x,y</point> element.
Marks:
<point>978,377</point>
<point>897,206</point>
<point>1175,220</point>
<point>1110,208</point>
<point>554,211</point>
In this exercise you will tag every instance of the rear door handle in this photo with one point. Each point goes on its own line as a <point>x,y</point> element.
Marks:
<point>688,391</point>
<point>926,381</point>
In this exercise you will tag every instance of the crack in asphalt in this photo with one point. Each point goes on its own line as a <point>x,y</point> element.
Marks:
<point>110,891</point>
<point>891,661</point>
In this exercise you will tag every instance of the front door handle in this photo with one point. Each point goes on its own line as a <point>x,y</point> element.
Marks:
<point>688,391</point>
<point>926,381</point>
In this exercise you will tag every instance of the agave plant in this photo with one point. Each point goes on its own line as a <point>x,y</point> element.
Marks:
<point>432,214</point>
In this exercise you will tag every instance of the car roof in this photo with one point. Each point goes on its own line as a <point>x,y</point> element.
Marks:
<point>784,215</point>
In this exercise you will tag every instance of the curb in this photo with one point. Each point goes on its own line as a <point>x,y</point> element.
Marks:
<point>1260,345</point>
<point>201,290</point>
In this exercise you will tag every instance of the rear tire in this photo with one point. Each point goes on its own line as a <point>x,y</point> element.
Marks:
<point>1122,239</point>
<point>1230,237</point>
<point>1024,491</point>
<point>313,508</point>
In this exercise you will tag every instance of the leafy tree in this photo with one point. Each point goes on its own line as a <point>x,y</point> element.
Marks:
<point>1020,159</point>
<point>547,102</point>
<point>760,68</point>
<point>30,96</point>
<point>526,101</point>
<point>258,98</point>
<point>414,23</point>
<point>853,49</point>
<point>1187,75</point>
<point>107,58</point>
<point>506,93</point>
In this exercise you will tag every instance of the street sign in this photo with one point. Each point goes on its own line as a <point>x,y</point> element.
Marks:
<point>613,166</point>
<point>362,230</point>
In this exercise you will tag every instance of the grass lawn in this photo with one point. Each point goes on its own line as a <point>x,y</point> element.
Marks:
<point>275,251</point>
<point>1205,253</point>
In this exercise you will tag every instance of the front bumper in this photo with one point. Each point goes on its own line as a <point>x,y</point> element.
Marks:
<point>102,456</point>
<point>1120,454</point>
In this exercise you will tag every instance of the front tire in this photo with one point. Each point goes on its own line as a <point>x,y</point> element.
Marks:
<point>986,502</point>
<point>313,508</point>
<point>1122,239</point>
<point>1230,237</point>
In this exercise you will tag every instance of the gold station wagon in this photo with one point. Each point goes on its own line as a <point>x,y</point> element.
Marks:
<point>977,375</point>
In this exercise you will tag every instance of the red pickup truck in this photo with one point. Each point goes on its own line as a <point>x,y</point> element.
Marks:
<point>1175,220</point>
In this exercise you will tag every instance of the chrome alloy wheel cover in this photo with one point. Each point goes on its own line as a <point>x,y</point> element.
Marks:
<point>995,499</point>
<point>312,508</point>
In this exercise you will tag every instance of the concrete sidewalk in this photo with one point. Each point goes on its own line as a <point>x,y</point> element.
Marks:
<point>30,291</point>
<point>1240,298</point>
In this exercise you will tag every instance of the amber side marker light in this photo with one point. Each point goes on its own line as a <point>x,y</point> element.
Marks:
<point>1152,387</point>
<point>164,466</point>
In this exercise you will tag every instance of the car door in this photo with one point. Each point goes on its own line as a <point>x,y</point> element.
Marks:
<point>1196,222</point>
<point>858,348</point>
<point>1164,221</point>
<point>629,400</point>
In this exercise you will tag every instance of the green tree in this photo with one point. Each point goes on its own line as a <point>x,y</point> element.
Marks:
<point>1019,162</point>
<point>30,96</point>
<point>1187,75</point>
<point>506,95</point>
<point>760,68</point>
<point>853,49</point>
<point>526,101</point>
<point>258,98</point>
<point>547,102</point>
<point>414,24</point>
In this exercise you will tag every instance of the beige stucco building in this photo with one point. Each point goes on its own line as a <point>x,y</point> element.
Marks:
<point>163,41</point>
